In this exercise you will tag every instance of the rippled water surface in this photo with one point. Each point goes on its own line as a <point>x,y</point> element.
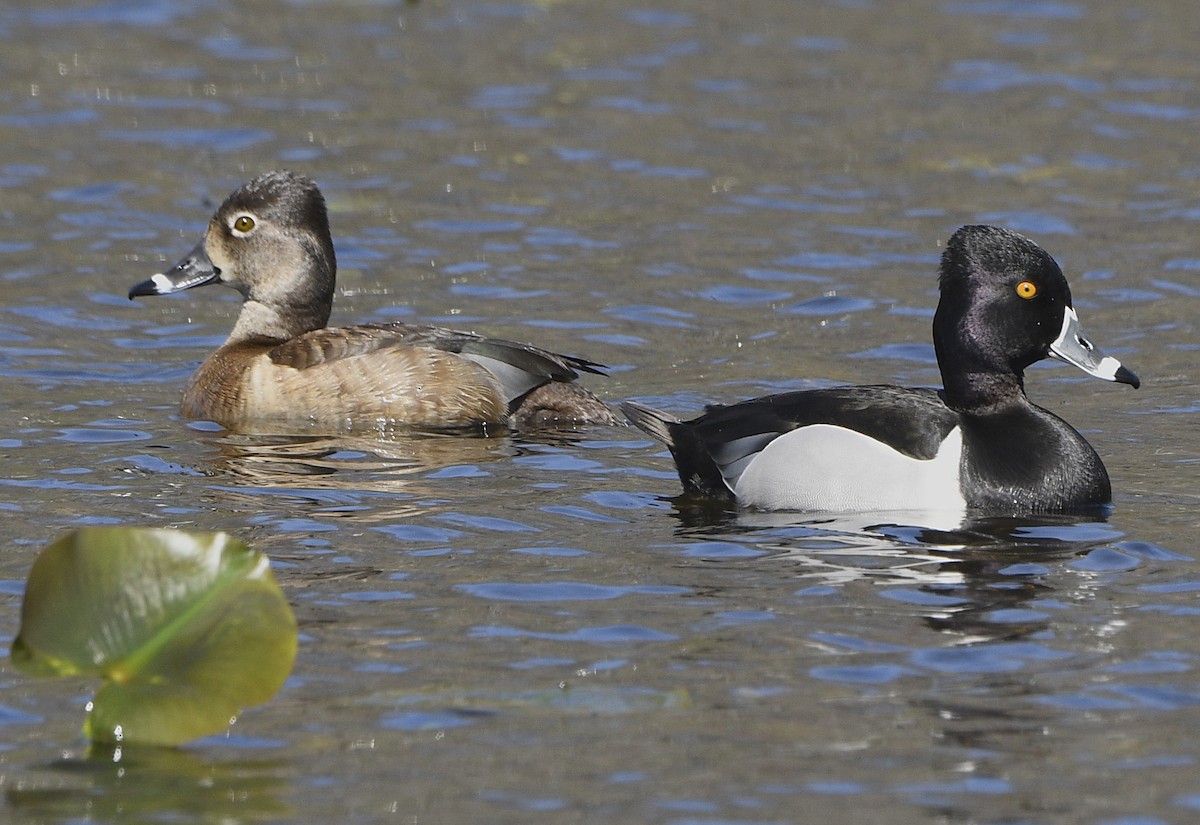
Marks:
<point>718,200</point>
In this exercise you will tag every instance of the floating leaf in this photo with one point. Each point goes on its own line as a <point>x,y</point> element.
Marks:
<point>185,628</point>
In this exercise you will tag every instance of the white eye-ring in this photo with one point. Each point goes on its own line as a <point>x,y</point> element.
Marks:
<point>242,225</point>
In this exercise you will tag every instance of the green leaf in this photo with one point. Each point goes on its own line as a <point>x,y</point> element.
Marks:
<point>185,628</point>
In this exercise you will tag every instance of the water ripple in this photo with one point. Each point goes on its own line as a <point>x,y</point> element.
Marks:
<point>986,658</point>
<point>655,17</point>
<point>508,97</point>
<point>429,720</point>
<point>228,46</point>
<point>152,14</point>
<point>91,435</point>
<point>826,260</point>
<point>610,634</point>
<point>981,76</point>
<point>218,141</point>
<point>563,591</point>
<point>744,295</point>
<point>470,227</point>
<point>653,315</point>
<point>1032,223</point>
<point>767,202</point>
<point>1038,9</point>
<point>632,104</point>
<point>12,716</point>
<point>1105,560</point>
<point>582,513</point>
<point>826,305</point>
<point>874,674</point>
<point>493,524</point>
<point>421,533</point>
<point>1153,111</point>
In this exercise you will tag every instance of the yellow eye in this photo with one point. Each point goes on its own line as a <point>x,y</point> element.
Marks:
<point>1026,289</point>
<point>243,224</point>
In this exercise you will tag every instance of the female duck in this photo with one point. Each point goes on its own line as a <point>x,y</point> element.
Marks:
<point>283,370</point>
<point>977,444</point>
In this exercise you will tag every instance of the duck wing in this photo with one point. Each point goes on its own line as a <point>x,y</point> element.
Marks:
<point>518,368</point>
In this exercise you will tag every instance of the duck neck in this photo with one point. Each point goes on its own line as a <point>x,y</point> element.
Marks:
<point>270,322</point>
<point>281,310</point>
<point>983,392</point>
<point>977,380</point>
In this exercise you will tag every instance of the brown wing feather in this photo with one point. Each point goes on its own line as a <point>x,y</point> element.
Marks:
<point>322,346</point>
<point>333,343</point>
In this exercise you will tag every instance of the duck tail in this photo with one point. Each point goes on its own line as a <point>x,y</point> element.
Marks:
<point>698,471</point>
<point>655,423</point>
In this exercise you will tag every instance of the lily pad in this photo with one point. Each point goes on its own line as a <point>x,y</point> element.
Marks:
<point>185,629</point>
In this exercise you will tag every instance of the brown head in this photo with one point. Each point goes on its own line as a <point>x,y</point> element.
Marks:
<point>270,241</point>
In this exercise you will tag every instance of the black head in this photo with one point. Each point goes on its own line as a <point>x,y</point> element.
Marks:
<point>1005,305</point>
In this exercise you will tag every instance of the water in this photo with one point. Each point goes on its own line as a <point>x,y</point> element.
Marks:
<point>718,200</point>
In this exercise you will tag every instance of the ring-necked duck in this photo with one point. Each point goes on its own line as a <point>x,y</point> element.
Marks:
<point>978,444</point>
<point>283,370</point>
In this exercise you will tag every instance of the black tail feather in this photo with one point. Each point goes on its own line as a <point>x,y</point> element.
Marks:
<point>697,470</point>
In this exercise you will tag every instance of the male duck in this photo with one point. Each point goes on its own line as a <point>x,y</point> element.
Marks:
<point>978,444</point>
<point>283,370</point>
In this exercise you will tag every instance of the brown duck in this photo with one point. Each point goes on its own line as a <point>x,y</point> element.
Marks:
<point>283,370</point>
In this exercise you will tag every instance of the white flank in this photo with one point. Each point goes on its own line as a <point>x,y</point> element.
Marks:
<point>824,467</point>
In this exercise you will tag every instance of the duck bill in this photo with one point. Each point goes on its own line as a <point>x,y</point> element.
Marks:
<point>1073,347</point>
<point>194,269</point>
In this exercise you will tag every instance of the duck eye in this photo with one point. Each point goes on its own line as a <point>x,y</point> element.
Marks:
<point>243,224</point>
<point>1027,289</point>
